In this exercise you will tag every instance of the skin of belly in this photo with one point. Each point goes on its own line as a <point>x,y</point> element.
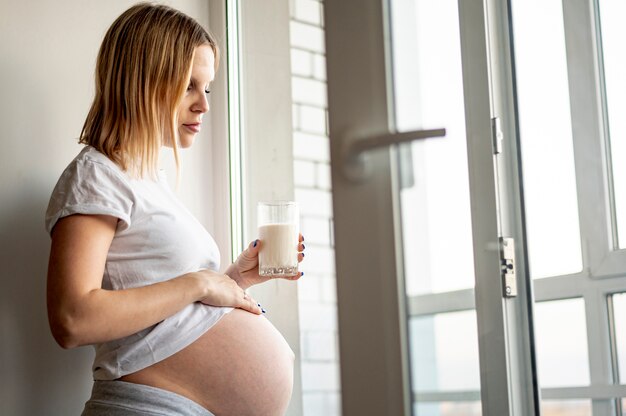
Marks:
<point>241,366</point>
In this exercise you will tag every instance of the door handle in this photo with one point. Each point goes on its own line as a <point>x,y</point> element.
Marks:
<point>355,166</point>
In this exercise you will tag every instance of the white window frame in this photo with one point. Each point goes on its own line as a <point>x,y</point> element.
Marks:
<point>604,265</point>
<point>221,132</point>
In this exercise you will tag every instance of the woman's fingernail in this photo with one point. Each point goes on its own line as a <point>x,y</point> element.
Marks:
<point>262,310</point>
<point>303,246</point>
<point>301,273</point>
<point>258,304</point>
<point>255,243</point>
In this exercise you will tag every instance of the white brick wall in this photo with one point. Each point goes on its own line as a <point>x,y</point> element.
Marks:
<point>311,116</point>
<point>317,295</point>
<point>320,346</point>
<point>309,11</point>
<point>322,377</point>
<point>317,316</point>
<point>309,146</point>
<point>317,230</point>
<point>309,91</point>
<point>325,403</point>
<point>307,37</point>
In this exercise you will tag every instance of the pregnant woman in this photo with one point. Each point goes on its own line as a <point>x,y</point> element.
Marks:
<point>131,271</point>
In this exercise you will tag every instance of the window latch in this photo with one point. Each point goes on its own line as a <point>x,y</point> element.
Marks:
<point>507,265</point>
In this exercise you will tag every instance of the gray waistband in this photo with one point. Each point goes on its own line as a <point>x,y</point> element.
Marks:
<point>117,398</point>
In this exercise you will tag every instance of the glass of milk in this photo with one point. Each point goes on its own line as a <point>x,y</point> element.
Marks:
<point>278,223</point>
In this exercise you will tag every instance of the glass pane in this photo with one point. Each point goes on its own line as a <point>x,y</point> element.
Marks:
<point>435,203</point>
<point>566,408</point>
<point>447,409</point>
<point>435,196</point>
<point>619,311</point>
<point>444,352</point>
<point>561,343</point>
<point>546,138</point>
<point>613,32</point>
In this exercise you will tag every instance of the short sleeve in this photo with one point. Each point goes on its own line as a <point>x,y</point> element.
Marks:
<point>89,187</point>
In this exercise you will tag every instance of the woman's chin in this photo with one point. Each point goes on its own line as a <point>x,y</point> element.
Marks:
<point>186,145</point>
<point>187,140</point>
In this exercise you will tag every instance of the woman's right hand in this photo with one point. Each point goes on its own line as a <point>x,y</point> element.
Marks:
<point>221,290</point>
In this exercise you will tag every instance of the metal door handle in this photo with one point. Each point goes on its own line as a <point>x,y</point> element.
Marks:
<point>355,154</point>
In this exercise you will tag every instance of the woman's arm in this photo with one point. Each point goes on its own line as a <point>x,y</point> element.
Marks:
<point>80,312</point>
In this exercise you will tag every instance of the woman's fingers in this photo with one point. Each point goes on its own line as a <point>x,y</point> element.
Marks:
<point>253,249</point>
<point>301,248</point>
<point>249,304</point>
<point>224,291</point>
<point>296,277</point>
<point>250,256</point>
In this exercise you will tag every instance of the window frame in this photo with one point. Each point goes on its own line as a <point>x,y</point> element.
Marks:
<point>604,266</point>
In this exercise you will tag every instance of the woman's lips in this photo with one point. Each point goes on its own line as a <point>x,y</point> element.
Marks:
<point>194,127</point>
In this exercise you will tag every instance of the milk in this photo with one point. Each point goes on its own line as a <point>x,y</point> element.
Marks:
<point>279,250</point>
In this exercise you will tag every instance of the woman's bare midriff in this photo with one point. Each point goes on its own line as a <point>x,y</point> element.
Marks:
<point>241,366</point>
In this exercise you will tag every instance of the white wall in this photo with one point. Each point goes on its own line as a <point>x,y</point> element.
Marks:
<point>317,294</point>
<point>47,56</point>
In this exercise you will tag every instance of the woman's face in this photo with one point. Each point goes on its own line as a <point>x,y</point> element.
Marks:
<point>195,101</point>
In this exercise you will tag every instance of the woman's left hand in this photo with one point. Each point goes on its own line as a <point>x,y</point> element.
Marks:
<point>245,270</point>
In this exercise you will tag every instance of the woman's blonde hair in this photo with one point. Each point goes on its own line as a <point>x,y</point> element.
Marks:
<point>142,72</point>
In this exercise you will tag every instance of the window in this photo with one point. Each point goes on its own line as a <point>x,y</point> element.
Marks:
<point>545,124</point>
<point>561,348</point>
<point>572,204</point>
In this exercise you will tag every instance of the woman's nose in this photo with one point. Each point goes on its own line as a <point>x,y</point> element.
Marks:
<point>201,105</point>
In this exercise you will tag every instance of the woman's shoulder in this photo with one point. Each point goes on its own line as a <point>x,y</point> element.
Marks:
<point>91,184</point>
<point>93,164</point>
<point>91,155</point>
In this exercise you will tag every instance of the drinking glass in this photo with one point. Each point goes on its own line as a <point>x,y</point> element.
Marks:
<point>278,223</point>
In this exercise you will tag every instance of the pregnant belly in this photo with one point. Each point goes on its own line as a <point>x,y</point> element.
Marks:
<point>241,366</point>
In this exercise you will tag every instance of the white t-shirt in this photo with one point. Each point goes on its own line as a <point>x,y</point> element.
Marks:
<point>156,239</point>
